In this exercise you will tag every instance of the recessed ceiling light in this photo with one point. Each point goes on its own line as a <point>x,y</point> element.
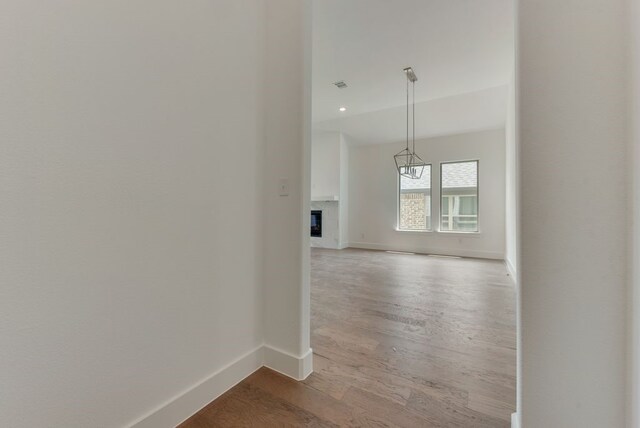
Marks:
<point>343,109</point>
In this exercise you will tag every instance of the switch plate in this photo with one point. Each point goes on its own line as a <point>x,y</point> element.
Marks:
<point>283,187</point>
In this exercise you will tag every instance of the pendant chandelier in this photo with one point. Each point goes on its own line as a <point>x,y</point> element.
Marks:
<point>408,163</point>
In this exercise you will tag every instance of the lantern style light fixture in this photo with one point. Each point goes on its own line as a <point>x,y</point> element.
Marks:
<point>408,163</point>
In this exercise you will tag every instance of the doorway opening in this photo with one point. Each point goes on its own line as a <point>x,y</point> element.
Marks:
<point>392,327</point>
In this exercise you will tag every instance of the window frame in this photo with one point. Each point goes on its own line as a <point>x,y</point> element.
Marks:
<point>441,196</point>
<point>398,203</point>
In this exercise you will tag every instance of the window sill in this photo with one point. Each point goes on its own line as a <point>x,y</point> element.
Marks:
<point>414,231</point>
<point>443,232</point>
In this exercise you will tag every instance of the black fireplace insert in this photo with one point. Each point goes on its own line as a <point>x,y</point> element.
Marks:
<point>316,223</point>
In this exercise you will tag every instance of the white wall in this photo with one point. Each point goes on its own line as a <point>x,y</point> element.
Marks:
<point>572,117</point>
<point>345,143</point>
<point>373,194</point>
<point>512,205</point>
<point>326,185</point>
<point>325,164</point>
<point>287,155</point>
<point>132,244</point>
<point>634,289</point>
<point>511,184</point>
<point>330,179</point>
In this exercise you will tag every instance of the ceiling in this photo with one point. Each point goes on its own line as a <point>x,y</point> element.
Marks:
<point>461,51</point>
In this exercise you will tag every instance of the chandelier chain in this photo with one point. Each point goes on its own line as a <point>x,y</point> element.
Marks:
<point>408,163</point>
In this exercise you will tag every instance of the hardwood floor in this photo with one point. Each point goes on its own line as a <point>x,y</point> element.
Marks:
<point>399,341</point>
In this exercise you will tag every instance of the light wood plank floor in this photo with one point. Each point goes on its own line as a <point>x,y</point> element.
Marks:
<point>399,341</point>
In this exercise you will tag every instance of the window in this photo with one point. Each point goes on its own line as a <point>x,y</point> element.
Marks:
<point>414,211</point>
<point>459,193</point>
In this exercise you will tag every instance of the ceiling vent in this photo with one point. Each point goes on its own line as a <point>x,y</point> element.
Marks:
<point>340,84</point>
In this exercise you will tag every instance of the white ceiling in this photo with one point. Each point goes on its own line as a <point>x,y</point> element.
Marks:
<point>461,51</point>
<point>457,114</point>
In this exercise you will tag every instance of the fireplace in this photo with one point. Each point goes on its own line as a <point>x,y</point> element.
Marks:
<point>316,223</point>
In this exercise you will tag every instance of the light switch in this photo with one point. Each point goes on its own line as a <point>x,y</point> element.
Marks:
<point>283,187</point>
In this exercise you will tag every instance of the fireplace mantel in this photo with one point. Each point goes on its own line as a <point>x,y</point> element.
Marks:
<point>334,198</point>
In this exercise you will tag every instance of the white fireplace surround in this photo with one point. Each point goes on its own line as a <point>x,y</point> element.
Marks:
<point>330,224</point>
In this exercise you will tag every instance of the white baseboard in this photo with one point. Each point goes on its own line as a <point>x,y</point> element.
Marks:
<point>512,270</point>
<point>189,402</point>
<point>515,420</point>
<point>420,250</point>
<point>298,368</point>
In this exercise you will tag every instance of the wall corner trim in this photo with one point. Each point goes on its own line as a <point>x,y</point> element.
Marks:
<point>298,368</point>
<point>515,420</point>
<point>511,270</point>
